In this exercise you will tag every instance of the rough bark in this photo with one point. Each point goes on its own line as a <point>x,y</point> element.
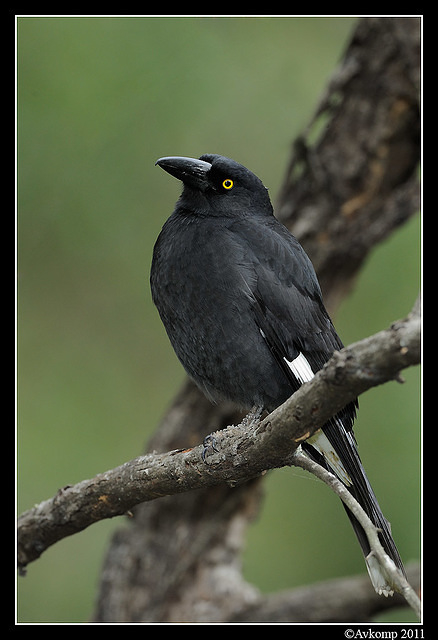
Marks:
<point>358,182</point>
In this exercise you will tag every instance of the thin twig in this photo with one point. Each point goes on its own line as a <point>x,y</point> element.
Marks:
<point>395,577</point>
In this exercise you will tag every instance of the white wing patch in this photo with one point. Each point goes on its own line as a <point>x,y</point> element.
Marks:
<point>302,370</point>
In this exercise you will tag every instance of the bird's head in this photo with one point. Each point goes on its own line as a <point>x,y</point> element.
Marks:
<point>217,185</point>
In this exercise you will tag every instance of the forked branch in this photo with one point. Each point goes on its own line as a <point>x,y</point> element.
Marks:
<point>241,451</point>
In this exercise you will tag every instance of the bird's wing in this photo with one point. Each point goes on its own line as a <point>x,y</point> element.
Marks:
<point>286,296</point>
<point>289,311</point>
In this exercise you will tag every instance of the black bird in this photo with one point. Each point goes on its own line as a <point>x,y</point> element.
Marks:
<point>243,309</point>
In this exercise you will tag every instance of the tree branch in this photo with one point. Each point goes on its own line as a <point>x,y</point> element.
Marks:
<point>349,599</point>
<point>243,451</point>
<point>363,165</point>
<point>394,576</point>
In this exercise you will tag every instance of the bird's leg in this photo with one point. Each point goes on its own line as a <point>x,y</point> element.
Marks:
<point>250,421</point>
<point>253,418</point>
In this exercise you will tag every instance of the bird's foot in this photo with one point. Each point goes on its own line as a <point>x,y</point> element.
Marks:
<point>208,443</point>
<point>253,418</point>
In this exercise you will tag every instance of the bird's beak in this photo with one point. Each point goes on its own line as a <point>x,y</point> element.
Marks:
<point>190,171</point>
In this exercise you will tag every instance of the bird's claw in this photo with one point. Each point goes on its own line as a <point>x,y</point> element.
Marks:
<point>208,443</point>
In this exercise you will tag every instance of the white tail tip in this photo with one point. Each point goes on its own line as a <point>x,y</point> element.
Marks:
<point>378,577</point>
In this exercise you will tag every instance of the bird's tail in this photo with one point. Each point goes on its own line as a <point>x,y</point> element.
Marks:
<point>334,448</point>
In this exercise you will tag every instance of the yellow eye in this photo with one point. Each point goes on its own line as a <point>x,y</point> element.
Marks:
<point>227,184</point>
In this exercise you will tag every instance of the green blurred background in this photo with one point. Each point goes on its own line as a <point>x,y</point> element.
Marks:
<point>100,99</point>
